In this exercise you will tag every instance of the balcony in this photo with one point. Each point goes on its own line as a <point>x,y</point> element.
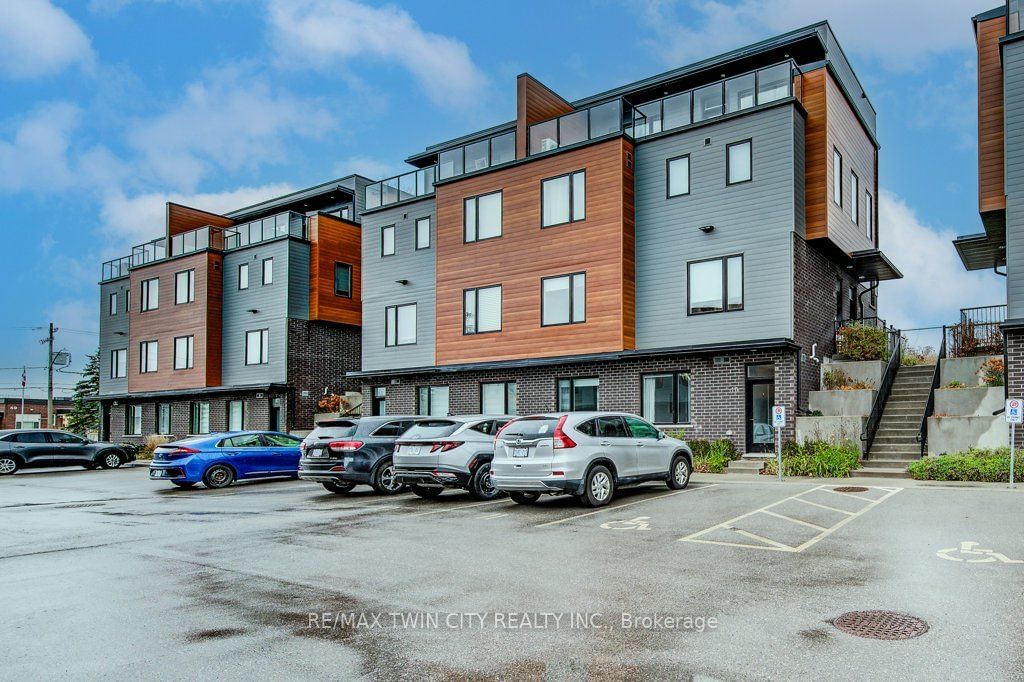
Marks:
<point>118,267</point>
<point>475,156</point>
<point>582,125</point>
<point>411,185</point>
<point>283,224</point>
<point>149,252</point>
<point>979,332</point>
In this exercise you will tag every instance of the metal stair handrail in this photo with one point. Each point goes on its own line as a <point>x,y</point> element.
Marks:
<point>922,433</point>
<point>882,397</point>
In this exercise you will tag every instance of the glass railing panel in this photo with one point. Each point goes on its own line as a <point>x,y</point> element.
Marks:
<point>372,196</point>
<point>407,186</point>
<point>544,136</point>
<point>676,111</point>
<point>605,119</point>
<point>425,180</point>
<point>477,156</point>
<point>774,83</point>
<point>573,128</point>
<point>707,102</point>
<point>390,191</point>
<point>503,149</point>
<point>450,164</point>
<point>650,114</point>
<point>739,93</point>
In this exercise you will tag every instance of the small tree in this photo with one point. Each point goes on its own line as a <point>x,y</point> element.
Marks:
<point>84,416</point>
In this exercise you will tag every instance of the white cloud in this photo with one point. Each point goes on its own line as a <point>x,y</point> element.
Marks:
<point>327,33</point>
<point>900,35</point>
<point>36,157</point>
<point>935,284</point>
<point>38,39</point>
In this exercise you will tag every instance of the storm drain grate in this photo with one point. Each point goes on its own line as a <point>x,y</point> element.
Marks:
<point>850,489</point>
<point>881,625</point>
<point>80,505</point>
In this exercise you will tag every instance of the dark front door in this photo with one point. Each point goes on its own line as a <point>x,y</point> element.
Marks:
<point>276,423</point>
<point>760,396</point>
<point>379,405</point>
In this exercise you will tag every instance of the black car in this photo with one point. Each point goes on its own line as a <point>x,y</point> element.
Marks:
<point>342,453</point>
<point>33,448</point>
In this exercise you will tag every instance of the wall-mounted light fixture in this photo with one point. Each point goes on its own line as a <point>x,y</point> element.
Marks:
<point>707,229</point>
<point>403,282</point>
<point>252,310</point>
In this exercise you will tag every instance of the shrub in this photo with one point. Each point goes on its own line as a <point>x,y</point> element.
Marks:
<point>330,403</point>
<point>815,413</point>
<point>993,372</point>
<point>956,384</point>
<point>973,465</point>
<point>153,441</point>
<point>861,342</point>
<point>712,456</point>
<point>819,459</point>
<point>838,380</point>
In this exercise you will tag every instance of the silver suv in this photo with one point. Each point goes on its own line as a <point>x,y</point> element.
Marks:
<point>586,454</point>
<point>448,452</point>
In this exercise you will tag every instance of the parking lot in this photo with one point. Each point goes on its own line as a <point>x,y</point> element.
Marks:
<point>108,574</point>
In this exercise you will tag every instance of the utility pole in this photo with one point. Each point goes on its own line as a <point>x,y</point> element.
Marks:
<point>49,379</point>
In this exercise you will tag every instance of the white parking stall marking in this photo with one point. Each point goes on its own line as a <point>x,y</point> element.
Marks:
<point>774,545</point>
<point>627,504</point>
<point>457,508</point>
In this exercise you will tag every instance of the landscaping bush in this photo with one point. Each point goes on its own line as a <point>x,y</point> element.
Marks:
<point>973,465</point>
<point>819,459</point>
<point>153,441</point>
<point>956,384</point>
<point>861,342</point>
<point>838,380</point>
<point>993,372</point>
<point>712,456</point>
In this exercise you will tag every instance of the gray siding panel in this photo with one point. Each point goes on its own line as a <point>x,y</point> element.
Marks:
<point>380,287</point>
<point>848,78</point>
<point>1013,94</point>
<point>755,219</point>
<point>298,280</point>
<point>113,333</point>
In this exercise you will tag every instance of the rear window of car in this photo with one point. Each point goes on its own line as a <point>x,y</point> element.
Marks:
<point>391,429</point>
<point>344,429</point>
<point>532,427</point>
<point>432,428</point>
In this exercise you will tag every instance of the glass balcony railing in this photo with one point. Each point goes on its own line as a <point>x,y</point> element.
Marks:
<point>582,125</point>
<point>197,240</point>
<point>280,225</point>
<point>418,183</point>
<point>118,267</point>
<point>150,251</point>
<point>475,156</point>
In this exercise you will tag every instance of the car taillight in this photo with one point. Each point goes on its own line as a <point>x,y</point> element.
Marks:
<point>561,440</point>
<point>445,445</point>
<point>302,446</point>
<point>345,445</point>
<point>179,452</point>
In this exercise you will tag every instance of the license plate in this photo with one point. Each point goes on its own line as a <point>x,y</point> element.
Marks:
<point>414,449</point>
<point>160,473</point>
<point>520,452</point>
<point>322,454</point>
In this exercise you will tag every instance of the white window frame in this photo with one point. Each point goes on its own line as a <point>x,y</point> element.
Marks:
<point>268,271</point>
<point>388,241</point>
<point>749,144</point>
<point>262,346</point>
<point>189,350</point>
<point>243,276</point>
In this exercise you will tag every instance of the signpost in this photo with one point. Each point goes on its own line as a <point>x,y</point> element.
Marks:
<point>1014,416</point>
<point>778,421</point>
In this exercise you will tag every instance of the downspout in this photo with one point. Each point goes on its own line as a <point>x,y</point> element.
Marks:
<point>860,298</point>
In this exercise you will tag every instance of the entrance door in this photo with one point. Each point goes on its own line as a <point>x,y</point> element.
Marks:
<point>379,404</point>
<point>276,423</point>
<point>760,398</point>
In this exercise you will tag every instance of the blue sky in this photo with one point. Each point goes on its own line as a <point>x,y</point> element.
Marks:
<point>112,107</point>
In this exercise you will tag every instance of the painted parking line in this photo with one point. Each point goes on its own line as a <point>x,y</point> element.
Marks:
<point>460,507</point>
<point>772,545</point>
<point>627,504</point>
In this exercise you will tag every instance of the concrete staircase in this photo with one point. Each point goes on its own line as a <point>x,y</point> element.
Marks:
<point>895,444</point>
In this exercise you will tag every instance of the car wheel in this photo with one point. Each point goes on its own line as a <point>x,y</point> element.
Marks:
<point>481,486</point>
<point>427,492</point>
<point>183,484</point>
<point>384,481</point>
<point>599,486</point>
<point>110,460</point>
<point>339,487</point>
<point>524,498</point>
<point>218,476</point>
<point>679,473</point>
<point>8,465</point>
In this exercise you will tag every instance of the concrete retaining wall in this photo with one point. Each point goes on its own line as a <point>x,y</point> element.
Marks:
<point>947,435</point>
<point>842,403</point>
<point>831,429</point>
<point>868,371</point>
<point>969,402</point>
<point>965,370</point>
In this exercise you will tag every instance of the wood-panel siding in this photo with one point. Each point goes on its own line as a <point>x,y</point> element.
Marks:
<point>534,102</point>
<point>333,240</point>
<point>201,319</point>
<point>183,219</point>
<point>816,163</point>
<point>526,252</point>
<point>991,189</point>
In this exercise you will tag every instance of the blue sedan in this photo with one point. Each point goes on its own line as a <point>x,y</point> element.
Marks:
<point>218,460</point>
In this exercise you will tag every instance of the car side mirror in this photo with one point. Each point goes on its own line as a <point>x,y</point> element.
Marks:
<point>662,435</point>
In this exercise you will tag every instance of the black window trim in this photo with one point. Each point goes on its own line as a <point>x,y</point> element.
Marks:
<point>396,307</point>
<point>113,363</point>
<point>725,284</point>
<point>394,240</point>
<point>572,215</point>
<point>174,349</point>
<point>504,394</point>
<point>476,207</point>
<point>144,295</point>
<point>419,413</point>
<point>263,272</point>
<point>227,414</point>
<point>668,176</point>
<point>728,170</point>
<point>142,356</point>
<point>571,299</point>
<point>112,304</point>
<point>190,284</point>
<point>416,233</point>
<point>476,313</point>
<point>674,373</point>
<point>351,272</point>
<point>835,153</point>
<point>572,400</point>
<point>855,206</point>
<point>240,266</point>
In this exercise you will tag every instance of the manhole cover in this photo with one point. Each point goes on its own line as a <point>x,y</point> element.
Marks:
<point>881,625</point>
<point>850,489</point>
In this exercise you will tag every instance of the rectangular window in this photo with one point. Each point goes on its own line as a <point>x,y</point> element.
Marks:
<point>678,176</point>
<point>387,240</point>
<point>837,177</point>
<point>854,196</point>
<point>150,294</point>
<point>869,216</point>
<point>423,233</point>
<point>739,162</point>
<point>577,395</point>
<point>199,418</point>
<point>665,398</point>
<point>257,347</point>
<point>268,270</point>
<point>183,347</point>
<point>147,356</point>
<point>481,310</point>
<point>133,420</point>
<point>184,287</point>
<point>236,415</point>
<point>432,401</point>
<point>563,199</point>
<point>243,276</point>
<point>400,325</point>
<point>112,304</point>
<point>563,299</point>
<point>715,285</point>
<point>119,363</point>
<point>343,280</point>
<point>498,397</point>
<point>482,217</point>
<point>163,418</point>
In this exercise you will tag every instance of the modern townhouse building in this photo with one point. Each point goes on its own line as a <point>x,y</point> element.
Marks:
<point>233,321</point>
<point>680,247</point>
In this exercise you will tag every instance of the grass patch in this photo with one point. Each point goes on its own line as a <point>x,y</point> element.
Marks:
<point>819,459</point>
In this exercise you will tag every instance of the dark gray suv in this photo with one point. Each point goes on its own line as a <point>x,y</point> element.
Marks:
<point>342,453</point>
<point>31,448</point>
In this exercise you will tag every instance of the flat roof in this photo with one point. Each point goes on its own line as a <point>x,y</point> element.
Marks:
<point>345,184</point>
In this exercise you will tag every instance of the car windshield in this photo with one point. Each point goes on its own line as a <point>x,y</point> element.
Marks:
<point>433,428</point>
<point>340,429</point>
<point>531,427</point>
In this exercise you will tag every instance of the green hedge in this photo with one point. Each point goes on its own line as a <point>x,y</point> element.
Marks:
<point>974,465</point>
<point>816,458</point>
<point>712,456</point>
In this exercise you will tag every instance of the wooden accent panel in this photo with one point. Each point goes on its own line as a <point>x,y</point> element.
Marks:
<point>816,154</point>
<point>183,219</point>
<point>991,187</point>
<point>601,245</point>
<point>334,240</point>
<point>534,102</point>
<point>201,319</point>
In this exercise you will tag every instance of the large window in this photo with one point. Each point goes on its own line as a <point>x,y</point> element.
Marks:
<point>715,285</point>
<point>665,398</point>
<point>578,395</point>
<point>869,216</point>
<point>243,276</point>
<point>147,356</point>
<point>184,287</point>
<point>387,240</point>
<point>422,233</point>
<point>163,418</point>
<point>739,162</point>
<point>199,418</point>
<point>268,270</point>
<point>498,397</point>
<point>150,294</point>
<point>183,348</point>
<point>236,415</point>
<point>563,199</point>
<point>563,299</point>
<point>837,177</point>
<point>482,217</point>
<point>119,363</point>
<point>133,420</point>
<point>481,310</point>
<point>678,172</point>
<point>400,325</point>
<point>854,197</point>
<point>432,401</point>
<point>343,280</point>
<point>257,347</point>
<point>112,304</point>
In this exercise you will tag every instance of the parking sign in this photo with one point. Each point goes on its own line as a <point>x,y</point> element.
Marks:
<point>779,415</point>
<point>1015,411</point>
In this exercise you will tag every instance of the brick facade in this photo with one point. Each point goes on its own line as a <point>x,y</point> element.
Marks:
<point>10,408</point>
<point>1014,339</point>
<point>319,356</point>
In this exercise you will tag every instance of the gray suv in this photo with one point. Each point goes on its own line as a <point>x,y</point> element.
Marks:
<point>586,454</point>
<point>28,448</point>
<point>449,452</point>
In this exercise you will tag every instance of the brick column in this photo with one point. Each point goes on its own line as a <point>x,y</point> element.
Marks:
<point>1014,339</point>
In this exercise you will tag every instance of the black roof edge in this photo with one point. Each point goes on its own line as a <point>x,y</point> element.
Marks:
<point>177,393</point>
<point>993,13</point>
<point>322,188</point>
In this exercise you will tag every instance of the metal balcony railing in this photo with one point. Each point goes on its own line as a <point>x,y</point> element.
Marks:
<point>979,332</point>
<point>118,267</point>
<point>418,183</point>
